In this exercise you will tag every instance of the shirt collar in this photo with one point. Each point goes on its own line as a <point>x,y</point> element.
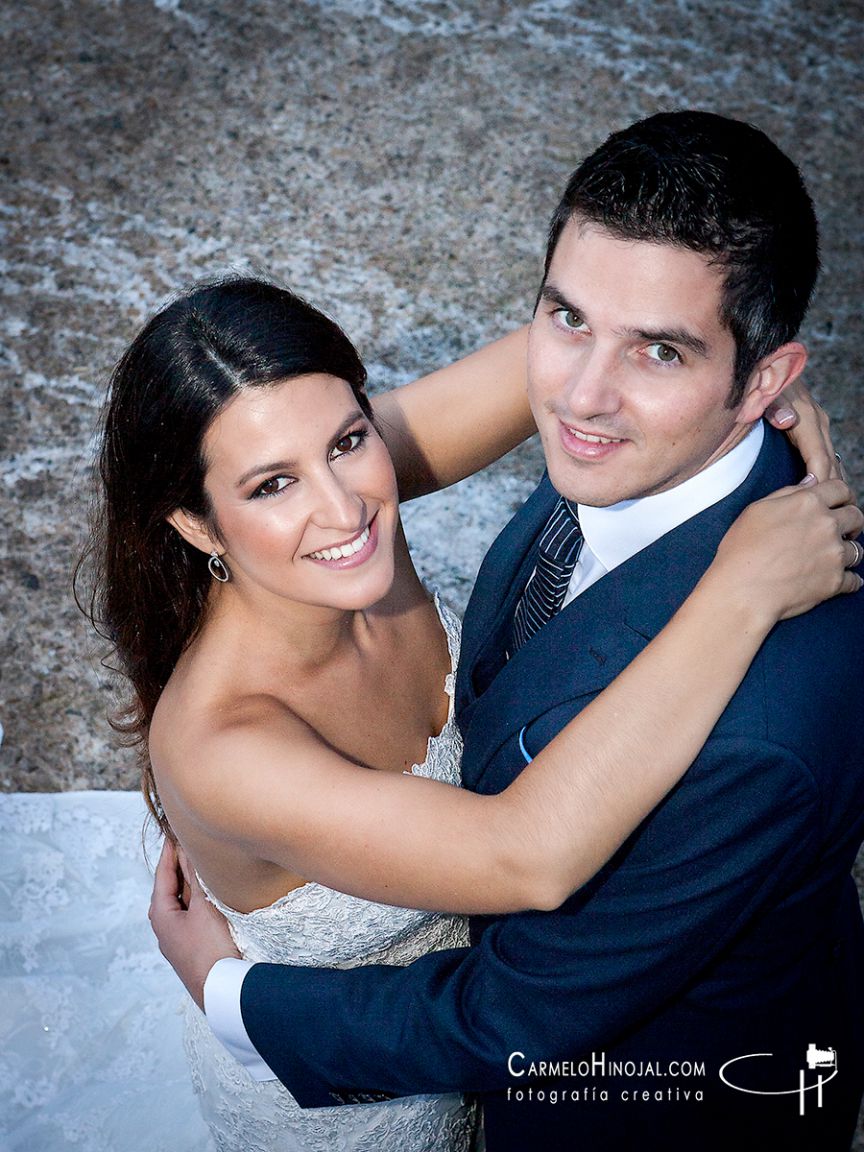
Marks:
<point>619,531</point>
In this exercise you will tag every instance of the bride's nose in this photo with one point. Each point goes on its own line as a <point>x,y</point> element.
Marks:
<point>338,505</point>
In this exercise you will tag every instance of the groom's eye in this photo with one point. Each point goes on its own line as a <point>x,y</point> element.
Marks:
<point>664,352</point>
<point>569,319</point>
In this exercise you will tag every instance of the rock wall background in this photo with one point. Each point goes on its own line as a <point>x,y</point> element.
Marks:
<point>394,161</point>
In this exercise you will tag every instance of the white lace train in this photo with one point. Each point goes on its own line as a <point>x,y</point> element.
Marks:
<point>91,1052</point>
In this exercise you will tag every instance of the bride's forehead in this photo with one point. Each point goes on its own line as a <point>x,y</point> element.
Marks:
<point>281,422</point>
<point>313,392</point>
<point>299,407</point>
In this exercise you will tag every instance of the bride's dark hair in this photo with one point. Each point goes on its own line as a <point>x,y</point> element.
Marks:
<point>149,587</point>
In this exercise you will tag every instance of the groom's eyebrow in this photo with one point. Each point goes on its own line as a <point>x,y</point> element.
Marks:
<point>552,295</point>
<point>682,336</point>
<point>674,335</point>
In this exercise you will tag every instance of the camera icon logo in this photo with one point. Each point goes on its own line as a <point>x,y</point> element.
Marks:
<point>821,1057</point>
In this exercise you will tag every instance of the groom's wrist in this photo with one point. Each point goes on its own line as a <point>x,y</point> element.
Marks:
<point>222,989</point>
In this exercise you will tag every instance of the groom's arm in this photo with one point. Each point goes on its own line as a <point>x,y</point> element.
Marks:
<point>552,984</point>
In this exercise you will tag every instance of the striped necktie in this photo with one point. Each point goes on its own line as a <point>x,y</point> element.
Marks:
<point>544,593</point>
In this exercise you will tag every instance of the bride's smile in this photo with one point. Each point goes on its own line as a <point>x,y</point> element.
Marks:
<point>352,552</point>
<point>303,496</point>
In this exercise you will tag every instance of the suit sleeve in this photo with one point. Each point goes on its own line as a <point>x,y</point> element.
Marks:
<point>734,834</point>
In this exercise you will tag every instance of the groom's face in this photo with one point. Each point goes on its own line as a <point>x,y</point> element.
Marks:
<point>629,367</point>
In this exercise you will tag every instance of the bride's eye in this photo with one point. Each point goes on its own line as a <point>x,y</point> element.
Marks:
<point>350,442</point>
<point>272,486</point>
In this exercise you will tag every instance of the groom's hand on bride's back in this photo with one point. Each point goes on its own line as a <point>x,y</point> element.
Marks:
<point>192,934</point>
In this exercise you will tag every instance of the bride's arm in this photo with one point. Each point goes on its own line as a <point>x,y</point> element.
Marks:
<point>453,422</point>
<point>418,843</point>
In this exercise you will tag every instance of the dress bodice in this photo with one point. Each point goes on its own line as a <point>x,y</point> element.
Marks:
<point>318,926</point>
<point>313,925</point>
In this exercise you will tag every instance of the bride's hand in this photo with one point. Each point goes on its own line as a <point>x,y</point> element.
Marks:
<point>793,549</point>
<point>192,934</point>
<point>806,423</point>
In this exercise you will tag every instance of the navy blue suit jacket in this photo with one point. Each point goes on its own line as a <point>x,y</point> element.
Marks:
<point>727,925</point>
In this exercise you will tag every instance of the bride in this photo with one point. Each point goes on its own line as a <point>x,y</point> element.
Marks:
<point>292,676</point>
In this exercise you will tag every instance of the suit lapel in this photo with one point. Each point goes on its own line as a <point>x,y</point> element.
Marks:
<point>584,646</point>
<point>594,638</point>
<point>503,575</point>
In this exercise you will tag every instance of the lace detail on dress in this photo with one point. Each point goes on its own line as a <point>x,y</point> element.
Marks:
<point>317,926</point>
<point>91,1058</point>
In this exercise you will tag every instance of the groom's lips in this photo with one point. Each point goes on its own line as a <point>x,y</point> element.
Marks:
<point>583,444</point>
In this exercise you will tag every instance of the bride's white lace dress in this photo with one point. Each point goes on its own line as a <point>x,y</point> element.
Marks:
<point>317,926</point>
<point>91,1046</point>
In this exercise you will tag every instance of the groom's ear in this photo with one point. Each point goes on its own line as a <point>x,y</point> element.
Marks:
<point>771,375</point>
<point>193,530</point>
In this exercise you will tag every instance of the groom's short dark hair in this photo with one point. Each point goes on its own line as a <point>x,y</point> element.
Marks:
<point>715,186</point>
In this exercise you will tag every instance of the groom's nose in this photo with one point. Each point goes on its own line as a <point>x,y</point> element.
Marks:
<point>593,386</point>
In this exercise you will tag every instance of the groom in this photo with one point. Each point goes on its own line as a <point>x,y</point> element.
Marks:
<point>712,973</point>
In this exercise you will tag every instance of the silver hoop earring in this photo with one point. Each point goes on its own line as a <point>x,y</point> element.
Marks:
<point>217,568</point>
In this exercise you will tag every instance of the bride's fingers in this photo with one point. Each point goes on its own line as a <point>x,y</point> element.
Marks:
<point>832,493</point>
<point>851,582</point>
<point>191,888</point>
<point>854,553</point>
<point>808,426</point>
<point>844,486</point>
<point>781,415</point>
<point>166,885</point>
<point>849,520</point>
<point>183,861</point>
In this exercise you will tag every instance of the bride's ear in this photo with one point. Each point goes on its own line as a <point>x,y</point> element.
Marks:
<point>192,530</point>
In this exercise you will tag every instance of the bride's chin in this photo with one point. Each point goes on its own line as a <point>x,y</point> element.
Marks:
<point>361,595</point>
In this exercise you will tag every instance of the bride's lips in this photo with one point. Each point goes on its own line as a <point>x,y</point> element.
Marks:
<point>360,547</point>
<point>584,445</point>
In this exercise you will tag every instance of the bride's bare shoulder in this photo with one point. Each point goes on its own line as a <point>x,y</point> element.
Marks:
<point>198,714</point>
<point>197,711</point>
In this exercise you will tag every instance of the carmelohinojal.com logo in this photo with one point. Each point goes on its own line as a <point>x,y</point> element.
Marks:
<point>597,1079</point>
<point>818,1061</point>
<point>601,1079</point>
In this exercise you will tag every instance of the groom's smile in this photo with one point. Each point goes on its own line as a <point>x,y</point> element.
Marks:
<point>584,445</point>
<point>630,367</point>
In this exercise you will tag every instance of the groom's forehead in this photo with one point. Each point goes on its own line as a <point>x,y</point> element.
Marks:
<point>642,285</point>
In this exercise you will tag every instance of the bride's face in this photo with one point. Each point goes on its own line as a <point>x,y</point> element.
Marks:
<point>304,493</point>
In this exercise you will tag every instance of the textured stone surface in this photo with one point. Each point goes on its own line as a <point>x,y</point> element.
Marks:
<point>394,161</point>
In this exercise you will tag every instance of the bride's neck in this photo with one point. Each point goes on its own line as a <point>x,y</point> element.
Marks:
<point>285,634</point>
<point>273,632</point>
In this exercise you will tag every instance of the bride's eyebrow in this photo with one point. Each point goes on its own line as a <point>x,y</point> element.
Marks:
<point>261,469</point>
<point>290,465</point>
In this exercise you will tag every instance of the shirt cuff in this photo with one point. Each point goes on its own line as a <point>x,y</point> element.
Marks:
<point>222,1008</point>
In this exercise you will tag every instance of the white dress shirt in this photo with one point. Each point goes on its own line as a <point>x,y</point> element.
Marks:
<point>612,535</point>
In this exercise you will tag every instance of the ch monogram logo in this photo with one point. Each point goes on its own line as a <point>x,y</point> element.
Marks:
<point>818,1060</point>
